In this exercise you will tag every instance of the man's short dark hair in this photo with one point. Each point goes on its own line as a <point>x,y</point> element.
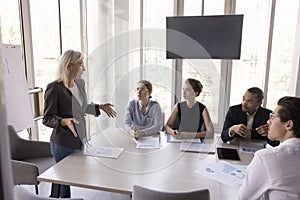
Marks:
<point>259,93</point>
<point>290,110</point>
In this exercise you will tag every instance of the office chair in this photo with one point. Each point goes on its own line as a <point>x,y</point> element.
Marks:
<point>22,193</point>
<point>29,159</point>
<point>142,193</point>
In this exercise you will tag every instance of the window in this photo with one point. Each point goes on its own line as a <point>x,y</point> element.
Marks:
<point>10,30</point>
<point>192,7</point>
<point>46,41</point>
<point>250,70</point>
<point>214,7</point>
<point>70,25</point>
<point>283,48</point>
<point>10,22</point>
<point>157,69</point>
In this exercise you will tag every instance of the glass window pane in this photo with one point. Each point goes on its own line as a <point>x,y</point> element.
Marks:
<point>213,7</point>
<point>157,68</point>
<point>70,24</point>
<point>250,70</point>
<point>158,71</point>
<point>134,15</point>
<point>192,7</point>
<point>283,48</point>
<point>10,22</point>
<point>45,41</point>
<point>113,56</point>
<point>154,15</point>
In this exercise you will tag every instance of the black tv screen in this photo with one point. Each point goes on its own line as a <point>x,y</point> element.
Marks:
<point>204,37</point>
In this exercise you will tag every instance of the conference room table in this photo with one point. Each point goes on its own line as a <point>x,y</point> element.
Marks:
<point>165,169</point>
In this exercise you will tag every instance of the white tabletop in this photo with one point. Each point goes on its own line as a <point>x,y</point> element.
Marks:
<point>166,169</point>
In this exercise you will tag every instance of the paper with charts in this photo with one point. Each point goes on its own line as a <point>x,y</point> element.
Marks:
<point>108,152</point>
<point>224,172</point>
<point>147,143</point>
<point>250,147</point>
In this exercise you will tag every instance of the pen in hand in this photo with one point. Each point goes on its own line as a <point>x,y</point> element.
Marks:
<point>176,134</point>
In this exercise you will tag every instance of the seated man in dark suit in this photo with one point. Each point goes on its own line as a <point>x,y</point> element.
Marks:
<point>248,119</point>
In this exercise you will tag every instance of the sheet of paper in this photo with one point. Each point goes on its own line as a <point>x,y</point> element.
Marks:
<point>162,139</point>
<point>108,152</point>
<point>198,147</point>
<point>250,147</point>
<point>147,143</point>
<point>224,172</point>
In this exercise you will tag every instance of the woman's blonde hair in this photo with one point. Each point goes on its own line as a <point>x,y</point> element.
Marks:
<point>70,57</point>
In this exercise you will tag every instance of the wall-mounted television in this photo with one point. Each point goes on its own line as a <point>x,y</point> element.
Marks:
<point>204,37</point>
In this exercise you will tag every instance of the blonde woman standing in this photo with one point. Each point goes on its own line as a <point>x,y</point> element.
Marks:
<point>64,109</point>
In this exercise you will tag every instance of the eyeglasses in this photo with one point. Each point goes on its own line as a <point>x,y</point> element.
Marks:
<point>272,116</point>
<point>142,89</point>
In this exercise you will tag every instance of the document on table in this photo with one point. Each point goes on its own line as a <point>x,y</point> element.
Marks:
<point>198,147</point>
<point>224,172</point>
<point>108,152</point>
<point>250,147</point>
<point>147,142</point>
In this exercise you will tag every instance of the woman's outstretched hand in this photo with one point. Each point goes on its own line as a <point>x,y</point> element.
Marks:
<point>107,108</point>
<point>69,123</point>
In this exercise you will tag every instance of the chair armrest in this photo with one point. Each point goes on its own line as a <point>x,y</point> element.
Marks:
<point>24,173</point>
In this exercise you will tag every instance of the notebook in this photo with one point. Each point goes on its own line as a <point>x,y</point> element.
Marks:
<point>147,143</point>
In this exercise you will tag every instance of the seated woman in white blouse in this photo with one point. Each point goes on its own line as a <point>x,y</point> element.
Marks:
<point>143,117</point>
<point>274,173</point>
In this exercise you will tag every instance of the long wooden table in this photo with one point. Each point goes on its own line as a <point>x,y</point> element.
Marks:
<point>167,168</point>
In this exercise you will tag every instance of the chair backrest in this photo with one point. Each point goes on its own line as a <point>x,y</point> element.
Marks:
<point>14,140</point>
<point>21,149</point>
<point>142,193</point>
<point>22,193</point>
